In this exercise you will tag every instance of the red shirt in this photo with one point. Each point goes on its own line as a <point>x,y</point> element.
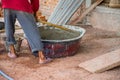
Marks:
<point>21,5</point>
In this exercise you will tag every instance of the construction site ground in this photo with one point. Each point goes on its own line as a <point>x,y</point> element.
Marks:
<point>94,43</point>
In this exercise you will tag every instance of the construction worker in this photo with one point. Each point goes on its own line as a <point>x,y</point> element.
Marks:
<point>23,11</point>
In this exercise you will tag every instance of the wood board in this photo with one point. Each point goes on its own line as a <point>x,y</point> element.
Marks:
<point>103,62</point>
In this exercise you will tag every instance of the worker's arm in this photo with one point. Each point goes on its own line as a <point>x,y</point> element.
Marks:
<point>0,6</point>
<point>35,5</point>
<point>0,3</point>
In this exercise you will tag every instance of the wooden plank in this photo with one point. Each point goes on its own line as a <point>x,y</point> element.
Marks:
<point>103,62</point>
<point>78,19</point>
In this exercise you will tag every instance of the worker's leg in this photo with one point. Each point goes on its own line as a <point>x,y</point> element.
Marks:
<point>9,18</point>
<point>32,33</point>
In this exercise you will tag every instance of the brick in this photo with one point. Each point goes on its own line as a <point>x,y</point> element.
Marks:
<point>103,62</point>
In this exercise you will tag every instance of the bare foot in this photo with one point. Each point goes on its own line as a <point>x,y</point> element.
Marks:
<point>45,61</point>
<point>11,55</point>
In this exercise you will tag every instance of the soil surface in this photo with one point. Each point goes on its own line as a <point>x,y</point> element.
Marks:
<point>94,43</point>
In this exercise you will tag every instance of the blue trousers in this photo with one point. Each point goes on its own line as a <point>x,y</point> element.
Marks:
<point>28,24</point>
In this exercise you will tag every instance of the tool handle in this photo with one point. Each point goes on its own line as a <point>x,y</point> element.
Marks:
<point>55,25</point>
<point>5,75</point>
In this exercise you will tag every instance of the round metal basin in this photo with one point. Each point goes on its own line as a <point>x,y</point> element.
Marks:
<point>63,47</point>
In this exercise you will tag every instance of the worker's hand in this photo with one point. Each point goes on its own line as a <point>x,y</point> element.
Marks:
<point>35,16</point>
<point>39,17</point>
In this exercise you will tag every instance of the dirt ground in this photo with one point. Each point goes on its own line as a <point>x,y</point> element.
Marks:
<point>94,43</point>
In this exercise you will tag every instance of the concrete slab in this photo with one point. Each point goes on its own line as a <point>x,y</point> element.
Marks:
<point>103,62</point>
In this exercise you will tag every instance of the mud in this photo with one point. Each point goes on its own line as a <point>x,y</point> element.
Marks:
<point>57,34</point>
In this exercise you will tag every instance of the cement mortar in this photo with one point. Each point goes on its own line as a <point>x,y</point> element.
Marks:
<point>57,34</point>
